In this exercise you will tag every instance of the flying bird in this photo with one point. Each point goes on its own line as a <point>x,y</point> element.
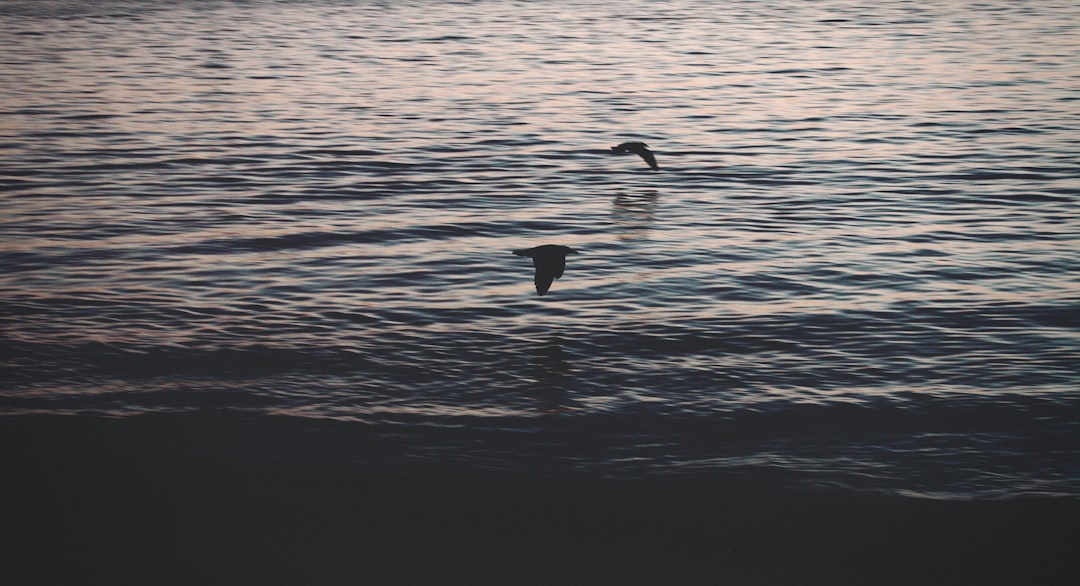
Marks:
<point>640,149</point>
<point>549,261</point>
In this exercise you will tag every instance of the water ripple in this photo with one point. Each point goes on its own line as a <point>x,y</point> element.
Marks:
<point>864,221</point>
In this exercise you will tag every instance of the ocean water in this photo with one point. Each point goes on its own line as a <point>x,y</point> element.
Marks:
<point>855,271</point>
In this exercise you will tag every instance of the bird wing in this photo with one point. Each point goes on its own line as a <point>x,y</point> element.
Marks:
<point>649,158</point>
<point>548,268</point>
<point>545,274</point>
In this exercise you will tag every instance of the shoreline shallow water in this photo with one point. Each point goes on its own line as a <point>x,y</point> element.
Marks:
<point>101,502</point>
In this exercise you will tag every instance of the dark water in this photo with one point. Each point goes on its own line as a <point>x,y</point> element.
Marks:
<point>854,271</point>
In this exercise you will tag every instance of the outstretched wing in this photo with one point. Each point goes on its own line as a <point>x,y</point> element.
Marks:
<point>649,158</point>
<point>544,276</point>
<point>548,268</point>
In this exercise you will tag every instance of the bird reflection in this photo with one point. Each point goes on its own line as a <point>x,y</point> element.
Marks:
<point>639,148</point>
<point>634,213</point>
<point>550,367</point>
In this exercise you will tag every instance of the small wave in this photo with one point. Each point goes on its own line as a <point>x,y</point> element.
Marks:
<point>90,117</point>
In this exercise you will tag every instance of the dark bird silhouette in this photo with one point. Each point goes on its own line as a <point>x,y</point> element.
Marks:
<point>549,261</point>
<point>638,148</point>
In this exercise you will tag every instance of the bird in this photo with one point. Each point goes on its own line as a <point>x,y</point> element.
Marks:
<point>549,261</point>
<point>640,149</point>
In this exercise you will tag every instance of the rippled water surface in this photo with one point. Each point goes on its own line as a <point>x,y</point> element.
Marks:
<point>856,266</point>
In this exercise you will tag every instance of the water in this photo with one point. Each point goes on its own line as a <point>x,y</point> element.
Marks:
<point>854,271</point>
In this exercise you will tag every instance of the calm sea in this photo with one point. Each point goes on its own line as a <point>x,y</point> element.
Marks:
<point>855,271</point>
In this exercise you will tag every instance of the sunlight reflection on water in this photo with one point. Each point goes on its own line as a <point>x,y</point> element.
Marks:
<point>858,203</point>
